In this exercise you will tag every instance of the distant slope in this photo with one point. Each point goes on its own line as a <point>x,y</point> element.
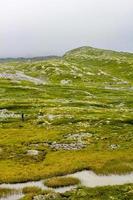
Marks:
<point>38,58</point>
<point>83,65</point>
<point>75,111</point>
<point>97,52</point>
<point>115,63</point>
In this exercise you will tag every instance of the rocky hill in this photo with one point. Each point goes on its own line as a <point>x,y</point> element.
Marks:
<point>62,110</point>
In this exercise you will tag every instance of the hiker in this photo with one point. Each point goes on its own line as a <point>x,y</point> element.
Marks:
<point>22,116</point>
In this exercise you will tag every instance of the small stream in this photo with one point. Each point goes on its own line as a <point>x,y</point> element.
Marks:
<point>87,178</point>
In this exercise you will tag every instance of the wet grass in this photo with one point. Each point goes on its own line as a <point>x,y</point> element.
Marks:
<point>31,190</point>
<point>101,193</point>
<point>45,194</point>
<point>56,182</point>
<point>122,192</point>
<point>5,192</point>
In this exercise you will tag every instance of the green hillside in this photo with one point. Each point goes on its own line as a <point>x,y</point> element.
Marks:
<point>66,114</point>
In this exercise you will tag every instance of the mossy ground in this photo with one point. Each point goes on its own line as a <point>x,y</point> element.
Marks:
<point>86,91</point>
<point>5,192</point>
<point>102,193</point>
<point>123,192</point>
<point>31,190</point>
<point>56,182</point>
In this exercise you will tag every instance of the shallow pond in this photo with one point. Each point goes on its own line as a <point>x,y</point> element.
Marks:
<point>87,178</point>
<point>90,179</point>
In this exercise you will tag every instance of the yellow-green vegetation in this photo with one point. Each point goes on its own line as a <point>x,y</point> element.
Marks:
<point>28,197</point>
<point>56,182</point>
<point>31,189</point>
<point>44,194</point>
<point>67,114</point>
<point>122,192</point>
<point>101,193</point>
<point>5,192</point>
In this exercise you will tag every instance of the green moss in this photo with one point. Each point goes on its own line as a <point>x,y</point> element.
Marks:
<point>101,193</point>
<point>31,189</point>
<point>61,182</point>
<point>5,192</point>
<point>119,192</point>
<point>28,197</point>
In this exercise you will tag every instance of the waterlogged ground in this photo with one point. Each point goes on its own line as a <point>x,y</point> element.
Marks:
<point>77,112</point>
<point>85,178</point>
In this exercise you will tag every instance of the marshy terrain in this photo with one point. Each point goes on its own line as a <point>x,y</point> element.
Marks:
<point>64,115</point>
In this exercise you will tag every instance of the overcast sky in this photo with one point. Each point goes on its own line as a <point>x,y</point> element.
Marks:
<point>43,27</point>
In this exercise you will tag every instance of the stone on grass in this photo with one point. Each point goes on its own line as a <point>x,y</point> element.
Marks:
<point>32,152</point>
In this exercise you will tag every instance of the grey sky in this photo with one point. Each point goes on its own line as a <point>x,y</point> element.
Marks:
<point>43,27</point>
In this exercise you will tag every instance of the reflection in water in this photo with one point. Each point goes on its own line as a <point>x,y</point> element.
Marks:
<point>87,178</point>
<point>90,179</point>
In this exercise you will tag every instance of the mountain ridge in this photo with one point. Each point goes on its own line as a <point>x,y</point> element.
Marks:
<point>81,48</point>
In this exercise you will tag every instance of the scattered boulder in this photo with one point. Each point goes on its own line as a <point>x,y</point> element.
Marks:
<point>39,197</point>
<point>32,152</point>
<point>79,136</point>
<point>4,113</point>
<point>49,196</point>
<point>65,82</point>
<point>65,146</point>
<point>114,146</point>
